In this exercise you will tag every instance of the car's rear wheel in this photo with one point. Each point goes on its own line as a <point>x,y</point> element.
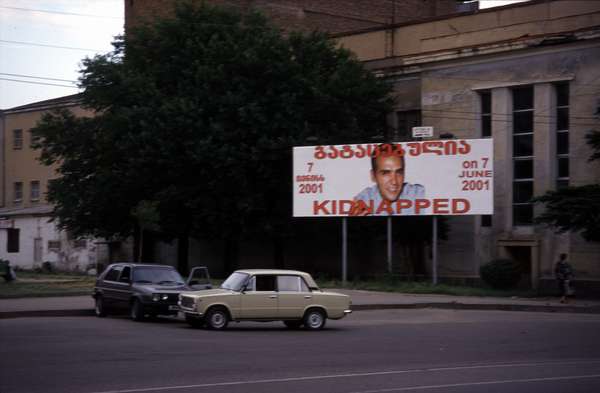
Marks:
<point>136,312</point>
<point>217,318</point>
<point>292,324</point>
<point>194,322</point>
<point>100,308</point>
<point>314,319</point>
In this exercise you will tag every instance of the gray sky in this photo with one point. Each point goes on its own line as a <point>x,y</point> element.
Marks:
<point>42,43</point>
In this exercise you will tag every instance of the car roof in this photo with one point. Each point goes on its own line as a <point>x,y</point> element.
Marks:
<point>271,271</point>
<point>310,281</point>
<point>137,264</point>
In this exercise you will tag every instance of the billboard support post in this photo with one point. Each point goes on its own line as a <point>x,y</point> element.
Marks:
<point>434,251</point>
<point>344,251</point>
<point>389,244</point>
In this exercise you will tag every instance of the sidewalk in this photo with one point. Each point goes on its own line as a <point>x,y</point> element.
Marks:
<point>361,300</point>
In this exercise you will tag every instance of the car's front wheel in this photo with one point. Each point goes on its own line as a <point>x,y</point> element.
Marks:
<point>314,319</point>
<point>136,312</point>
<point>217,319</point>
<point>194,322</point>
<point>100,308</point>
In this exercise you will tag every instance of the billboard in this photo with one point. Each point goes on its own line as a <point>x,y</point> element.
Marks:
<point>439,177</point>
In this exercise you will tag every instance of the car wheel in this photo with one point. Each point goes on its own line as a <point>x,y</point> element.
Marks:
<point>100,309</point>
<point>217,319</point>
<point>292,324</point>
<point>314,319</point>
<point>194,322</point>
<point>137,311</point>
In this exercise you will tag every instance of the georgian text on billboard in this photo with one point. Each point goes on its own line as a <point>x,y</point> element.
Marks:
<point>443,177</point>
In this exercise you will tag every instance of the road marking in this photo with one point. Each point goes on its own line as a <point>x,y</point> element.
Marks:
<point>371,374</point>
<point>453,385</point>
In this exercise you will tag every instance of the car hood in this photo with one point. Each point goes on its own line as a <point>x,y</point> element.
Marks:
<point>209,292</point>
<point>162,288</point>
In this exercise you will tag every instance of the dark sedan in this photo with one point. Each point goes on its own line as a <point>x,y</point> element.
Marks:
<point>144,290</point>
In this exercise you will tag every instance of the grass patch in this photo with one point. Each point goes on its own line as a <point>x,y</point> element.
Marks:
<point>426,288</point>
<point>32,284</point>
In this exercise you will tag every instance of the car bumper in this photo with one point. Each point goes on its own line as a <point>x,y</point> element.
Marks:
<point>161,309</point>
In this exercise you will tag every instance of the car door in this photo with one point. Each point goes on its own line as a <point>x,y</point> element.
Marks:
<point>259,299</point>
<point>293,296</point>
<point>110,287</point>
<point>199,278</point>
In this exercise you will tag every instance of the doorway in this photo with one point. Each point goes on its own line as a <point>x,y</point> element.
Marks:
<point>522,255</point>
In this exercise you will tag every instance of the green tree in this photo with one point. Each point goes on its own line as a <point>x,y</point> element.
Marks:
<point>575,208</point>
<point>198,113</point>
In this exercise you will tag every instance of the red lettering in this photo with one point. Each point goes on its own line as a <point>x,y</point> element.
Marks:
<point>440,206</point>
<point>385,205</point>
<point>460,206</point>
<point>317,206</point>
<point>421,204</point>
<point>402,204</point>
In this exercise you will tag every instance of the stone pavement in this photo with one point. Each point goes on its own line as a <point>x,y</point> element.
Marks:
<point>361,300</point>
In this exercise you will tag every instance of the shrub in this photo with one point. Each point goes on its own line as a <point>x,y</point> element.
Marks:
<point>501,273</point>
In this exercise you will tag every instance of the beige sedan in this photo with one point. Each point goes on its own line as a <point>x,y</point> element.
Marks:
<point>264,295</point>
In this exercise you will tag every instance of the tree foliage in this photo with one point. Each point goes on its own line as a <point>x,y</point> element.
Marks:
<point>575,208</point>
<point>196,114</point>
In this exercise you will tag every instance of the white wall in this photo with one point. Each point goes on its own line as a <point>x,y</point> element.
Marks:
<point>68,257</point>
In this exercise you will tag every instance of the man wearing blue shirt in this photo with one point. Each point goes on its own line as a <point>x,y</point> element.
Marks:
<point>390,195</point>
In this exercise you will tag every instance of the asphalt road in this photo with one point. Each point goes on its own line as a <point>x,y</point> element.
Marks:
<point>368,352</point>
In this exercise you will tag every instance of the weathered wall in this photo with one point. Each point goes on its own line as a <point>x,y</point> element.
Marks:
<point>307,15</point>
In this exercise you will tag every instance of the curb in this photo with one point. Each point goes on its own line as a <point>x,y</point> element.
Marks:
<point>46,313</point>
<point>356,307</point>
<point>489,307</point>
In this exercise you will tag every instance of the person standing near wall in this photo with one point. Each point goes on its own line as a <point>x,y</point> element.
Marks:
<point>563,273</point>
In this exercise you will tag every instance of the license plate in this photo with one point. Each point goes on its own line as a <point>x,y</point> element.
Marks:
<point>173,308</point>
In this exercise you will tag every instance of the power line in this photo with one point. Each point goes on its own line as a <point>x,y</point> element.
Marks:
<point>38,77</point>
<point>61,12</point>
<point>37,83</point>
<point>51,46</point>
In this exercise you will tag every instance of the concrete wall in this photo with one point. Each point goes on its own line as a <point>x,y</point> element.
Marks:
<point>488,27</point>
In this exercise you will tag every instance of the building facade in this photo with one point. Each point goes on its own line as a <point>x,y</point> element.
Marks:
<point>526,75</point>
<point>28,236</point>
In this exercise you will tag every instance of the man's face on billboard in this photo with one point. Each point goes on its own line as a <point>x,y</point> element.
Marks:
<point>389,176</point>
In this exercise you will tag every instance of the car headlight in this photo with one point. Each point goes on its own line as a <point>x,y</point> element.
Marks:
<point>159,296</point>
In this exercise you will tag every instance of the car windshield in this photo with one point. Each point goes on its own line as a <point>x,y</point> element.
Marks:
<point>156,275</point>
<point>235,281</point>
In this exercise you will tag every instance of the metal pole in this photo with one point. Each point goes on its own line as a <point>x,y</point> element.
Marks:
<point>389,244</point>
<point>344,251</point>
<point>434,251</point>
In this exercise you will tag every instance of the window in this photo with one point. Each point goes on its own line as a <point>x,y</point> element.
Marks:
<point>18,192</point>
<point>17,139</point>
<point>265,283</point>
<point>53,245</point>
<point>291,284</point>
<point>406,121</point>
<point>34,191</point>
<point>485,98</point>
<point>113,274</point>
<point>486,114</point>
<point>125,275</point>
<point>523,155</point>
<point>80,243</point>
<point>562,135</point>
<point>12,243</point>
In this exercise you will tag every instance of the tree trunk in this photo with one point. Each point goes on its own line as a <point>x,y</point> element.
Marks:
<point>137,243</point>
<point>278,253</point>
<point>183,243</point>
<point>230,254</point>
